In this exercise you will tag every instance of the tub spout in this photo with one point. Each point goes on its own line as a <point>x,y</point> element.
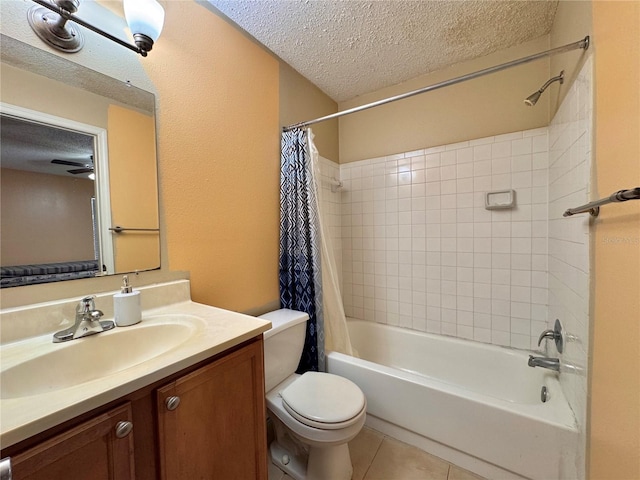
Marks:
<point>544,362</point>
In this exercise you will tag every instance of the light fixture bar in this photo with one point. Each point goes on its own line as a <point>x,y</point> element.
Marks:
<point>69,16</point>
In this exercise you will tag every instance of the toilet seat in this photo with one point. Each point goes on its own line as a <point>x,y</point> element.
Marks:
<point>323,400</point>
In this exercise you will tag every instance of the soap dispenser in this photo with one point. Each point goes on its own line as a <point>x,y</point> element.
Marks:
<point>126,305</point>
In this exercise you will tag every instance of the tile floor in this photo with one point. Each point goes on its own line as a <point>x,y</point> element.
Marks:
<point>376,456</point>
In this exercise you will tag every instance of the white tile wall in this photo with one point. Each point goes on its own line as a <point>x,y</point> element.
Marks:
<point>569,186</point>
<point>420,250</point>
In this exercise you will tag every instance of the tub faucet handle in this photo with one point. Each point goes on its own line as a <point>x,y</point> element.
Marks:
<point>546,334</point>
<point>556,334</point>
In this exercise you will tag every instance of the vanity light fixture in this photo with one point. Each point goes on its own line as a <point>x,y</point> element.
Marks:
<point>49,20</point>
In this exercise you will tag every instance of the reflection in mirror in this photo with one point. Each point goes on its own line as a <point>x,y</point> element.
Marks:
<point>57,223</point>
<point>47,205</point>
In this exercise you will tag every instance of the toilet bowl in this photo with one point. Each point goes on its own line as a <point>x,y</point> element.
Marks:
<point>314,414</point>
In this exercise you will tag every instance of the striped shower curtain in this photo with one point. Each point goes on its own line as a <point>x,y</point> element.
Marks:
<point>299,262</point>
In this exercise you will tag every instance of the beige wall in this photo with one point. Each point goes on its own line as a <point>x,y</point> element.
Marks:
<point>482,107</point>
<point>133,188</point>
<point>615,363</point>
<point>28,90</point>
<point>572,23</point>
<point>45,218</point>
<point>300,100</point>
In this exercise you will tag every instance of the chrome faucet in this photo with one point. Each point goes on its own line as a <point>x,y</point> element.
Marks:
<point>87,322</point>
<point>557,334</point>
<point>544,362</point>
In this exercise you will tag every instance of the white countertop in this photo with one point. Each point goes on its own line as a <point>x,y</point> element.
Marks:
<point>24,416</point>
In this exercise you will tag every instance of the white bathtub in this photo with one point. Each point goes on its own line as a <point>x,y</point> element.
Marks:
<point>475,405</point>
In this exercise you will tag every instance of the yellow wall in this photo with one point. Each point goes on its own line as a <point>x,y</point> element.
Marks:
<point>219,153</point>
<point>482,107</point>
<point>615,363</point>
<point>133,188</point>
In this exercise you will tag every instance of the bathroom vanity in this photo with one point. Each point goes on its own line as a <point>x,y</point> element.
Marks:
<point>193,404</point>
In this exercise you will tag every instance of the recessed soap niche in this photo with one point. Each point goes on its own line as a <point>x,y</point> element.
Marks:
<point>500,200</point>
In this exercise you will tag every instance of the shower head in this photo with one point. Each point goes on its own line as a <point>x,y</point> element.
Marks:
<point>531,100</point>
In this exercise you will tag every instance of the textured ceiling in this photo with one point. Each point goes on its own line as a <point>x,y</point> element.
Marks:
<point>31,147</point>
<point>352,47</point>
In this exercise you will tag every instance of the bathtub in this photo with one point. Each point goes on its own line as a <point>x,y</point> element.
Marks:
<point>475,405</point>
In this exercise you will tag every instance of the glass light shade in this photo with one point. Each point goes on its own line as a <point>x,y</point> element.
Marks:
<point>145,17</point>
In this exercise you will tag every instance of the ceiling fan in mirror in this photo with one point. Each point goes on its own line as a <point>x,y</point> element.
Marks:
<point>84,167</point>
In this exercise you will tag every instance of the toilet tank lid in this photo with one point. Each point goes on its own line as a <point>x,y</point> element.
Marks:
<point>283,318</point>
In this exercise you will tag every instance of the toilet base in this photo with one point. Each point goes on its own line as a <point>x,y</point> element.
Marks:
<point>293,465</point>
<point>329,463</point>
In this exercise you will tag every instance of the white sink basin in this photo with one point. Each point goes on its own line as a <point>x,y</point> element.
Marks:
<point>64,365</point>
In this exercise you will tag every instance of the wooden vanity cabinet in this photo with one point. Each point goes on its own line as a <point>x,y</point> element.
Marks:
<point>100,448</point>
<point>210,424</point>
<point>217,430</point>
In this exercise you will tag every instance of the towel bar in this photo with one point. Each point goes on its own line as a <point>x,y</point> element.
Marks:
<point>119,229</point>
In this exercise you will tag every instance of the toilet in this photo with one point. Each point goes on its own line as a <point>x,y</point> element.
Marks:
<point>314,414</point>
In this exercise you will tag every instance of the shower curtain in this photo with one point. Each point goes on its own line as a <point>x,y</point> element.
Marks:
<point>304,253</point>
<point>299,263</point>
<point>335,321</point>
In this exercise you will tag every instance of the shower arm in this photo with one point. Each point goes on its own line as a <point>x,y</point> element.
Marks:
<point>581,44</point>
<point>559,78</point>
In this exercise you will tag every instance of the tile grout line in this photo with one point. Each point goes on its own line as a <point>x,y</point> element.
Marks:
<point>384,437</point>
<point>364,476</point>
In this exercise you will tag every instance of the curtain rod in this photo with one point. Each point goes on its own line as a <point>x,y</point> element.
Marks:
<point>584,44</point>
<point>594,207</point>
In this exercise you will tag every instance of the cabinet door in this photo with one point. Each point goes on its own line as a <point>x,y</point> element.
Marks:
<point>217,429</point>
<point>98,449</point>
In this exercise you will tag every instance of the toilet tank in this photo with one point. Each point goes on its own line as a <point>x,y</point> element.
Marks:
<point>283,344</point>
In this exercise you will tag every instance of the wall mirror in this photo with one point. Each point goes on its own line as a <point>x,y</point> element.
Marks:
<point>79,181</point>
